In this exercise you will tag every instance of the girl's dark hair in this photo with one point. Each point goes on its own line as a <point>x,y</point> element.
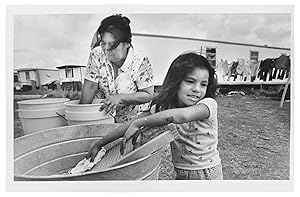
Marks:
<point>118,25</point>
<point>182,66</point>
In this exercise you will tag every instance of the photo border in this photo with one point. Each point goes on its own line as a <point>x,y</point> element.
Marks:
<point>136,186</point>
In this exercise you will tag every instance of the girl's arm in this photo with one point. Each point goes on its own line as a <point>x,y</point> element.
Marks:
<point>178,116</point>
<point>120,130</point>
<point>111,136</point>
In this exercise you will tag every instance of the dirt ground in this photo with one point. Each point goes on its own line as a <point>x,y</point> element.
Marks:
<point>254,139</point>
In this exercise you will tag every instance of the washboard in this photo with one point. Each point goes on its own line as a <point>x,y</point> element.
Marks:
<point>114,158</point>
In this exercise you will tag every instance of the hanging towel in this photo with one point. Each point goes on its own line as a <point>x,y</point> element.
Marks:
<point>240,67</point>
<point>226,67</point>
<point>254,68</point>
<point>283,62</point>
<point>85,164</point>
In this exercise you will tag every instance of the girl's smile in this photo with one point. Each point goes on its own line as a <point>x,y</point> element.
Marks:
<point>193,88</point>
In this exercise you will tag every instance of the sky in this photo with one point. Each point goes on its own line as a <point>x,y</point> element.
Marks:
<point>49,40</point>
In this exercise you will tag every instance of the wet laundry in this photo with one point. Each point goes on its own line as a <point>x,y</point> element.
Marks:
<point>86,165</point>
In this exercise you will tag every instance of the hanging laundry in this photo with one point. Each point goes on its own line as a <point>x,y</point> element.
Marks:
<point>253,69</point>
<point>233,72</point>
<point>219,71</point>
<point>274,74</point>
<point>240,66</point>
<point>247,71</point>
<point>226,68</point>
<point>266,66</point>
<point>218,66</point>
<point>282,74</point>
<point>283,62</point>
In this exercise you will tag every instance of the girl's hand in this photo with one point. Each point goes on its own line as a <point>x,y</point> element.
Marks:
<point>93,151</point>
<point>132,131</point>
<point>110,103</point>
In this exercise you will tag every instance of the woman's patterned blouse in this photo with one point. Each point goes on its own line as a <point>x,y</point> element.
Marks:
<point>135,74</point>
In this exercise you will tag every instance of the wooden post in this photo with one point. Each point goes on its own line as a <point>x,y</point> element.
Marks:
<point>285,90</point>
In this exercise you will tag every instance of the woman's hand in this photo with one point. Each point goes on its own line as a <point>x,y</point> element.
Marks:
<point>110,103</point>
<point>132,131</point>
<point>93,151</point>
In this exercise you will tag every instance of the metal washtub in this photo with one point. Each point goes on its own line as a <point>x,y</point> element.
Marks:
<point>43,155</point>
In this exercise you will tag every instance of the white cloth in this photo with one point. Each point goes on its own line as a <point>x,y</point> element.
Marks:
<point>86,165</point>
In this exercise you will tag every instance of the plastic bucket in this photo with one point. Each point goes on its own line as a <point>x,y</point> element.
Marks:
<point>41,156</point>
<point>41,114</point>
<point>86,113</point>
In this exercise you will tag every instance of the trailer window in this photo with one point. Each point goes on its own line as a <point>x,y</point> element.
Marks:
<point>254,56</point>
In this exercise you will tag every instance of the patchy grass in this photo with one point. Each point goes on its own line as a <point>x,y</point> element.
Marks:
<point>254,139</point>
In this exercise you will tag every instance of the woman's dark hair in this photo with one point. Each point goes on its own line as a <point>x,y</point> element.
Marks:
<point>182,66</point>
<point>116,24</point>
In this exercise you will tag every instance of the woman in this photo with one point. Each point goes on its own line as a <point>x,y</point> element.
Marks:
<point>116,72</point>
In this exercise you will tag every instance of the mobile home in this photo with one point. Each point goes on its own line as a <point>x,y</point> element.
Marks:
<point>162,50</point>
<point>71,76</point>
<point>36,77</point>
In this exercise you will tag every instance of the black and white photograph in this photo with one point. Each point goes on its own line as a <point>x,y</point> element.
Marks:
<point>173,95</point>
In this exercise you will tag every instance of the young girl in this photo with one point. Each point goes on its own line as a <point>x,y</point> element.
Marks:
<point>187,100</point>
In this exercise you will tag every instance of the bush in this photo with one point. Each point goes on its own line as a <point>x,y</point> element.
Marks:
<point>73,95</point>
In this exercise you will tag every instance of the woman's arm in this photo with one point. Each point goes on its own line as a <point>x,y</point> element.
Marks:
<point>140,97</point>
<point>88,92</point>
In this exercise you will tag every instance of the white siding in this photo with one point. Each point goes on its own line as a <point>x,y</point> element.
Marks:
<point>77,74</point>
<point>82,74</point>
<point>32,75</point>
<point>22,77</point>
<point>47,76</point>
<point>61,74</point>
